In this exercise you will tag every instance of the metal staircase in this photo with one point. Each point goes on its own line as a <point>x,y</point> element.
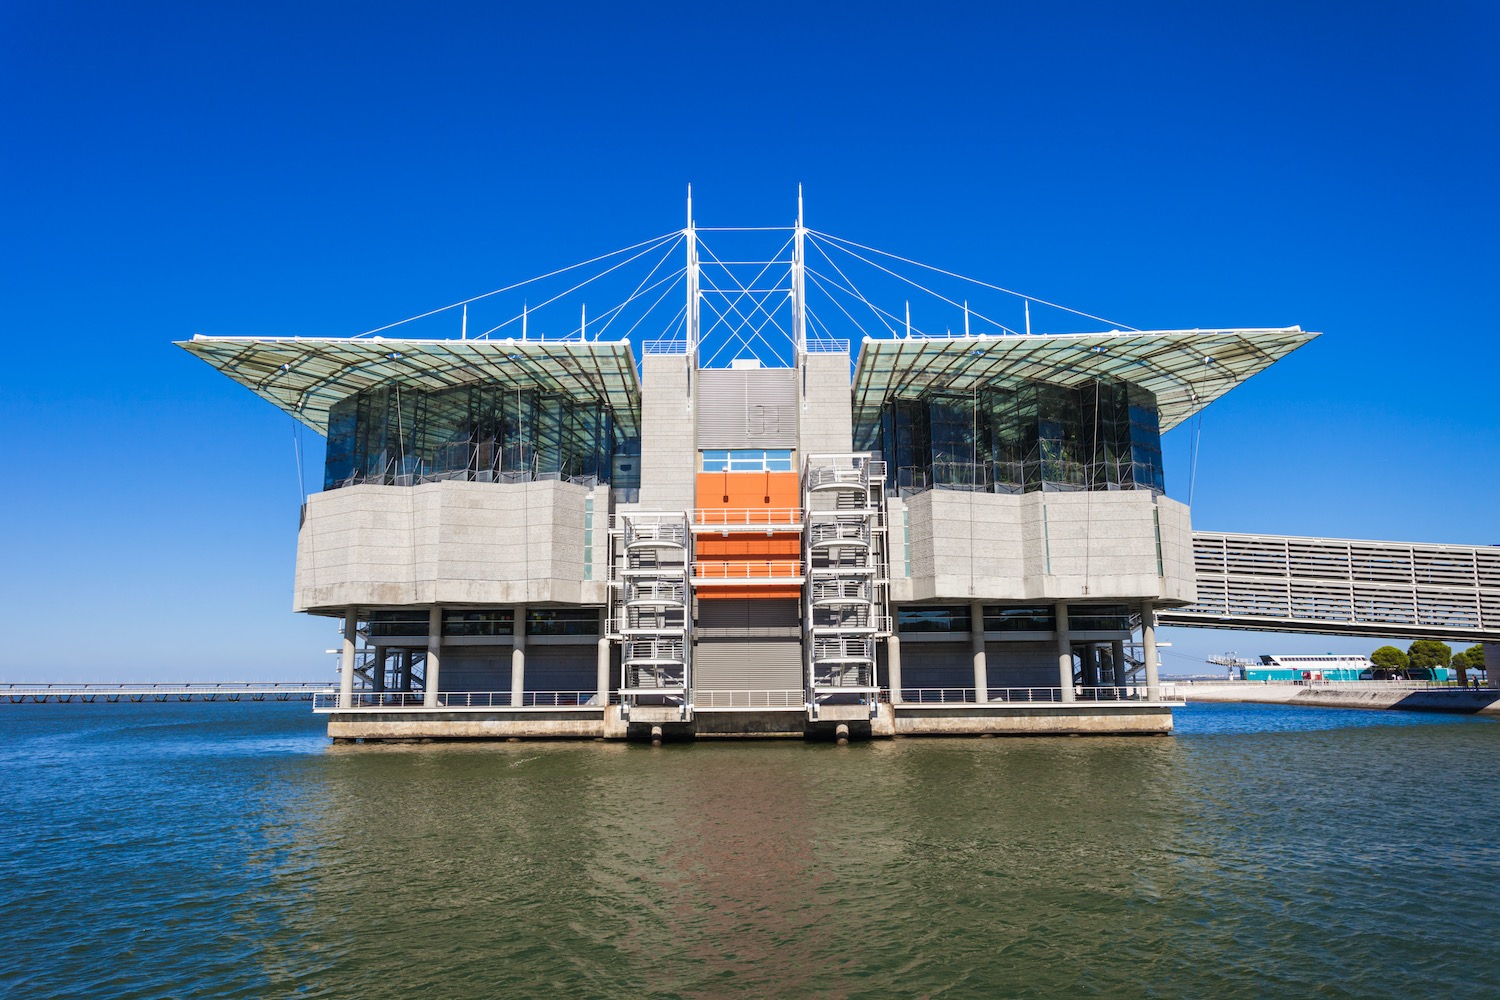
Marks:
<point>650,616</point>
<point>845,605</point>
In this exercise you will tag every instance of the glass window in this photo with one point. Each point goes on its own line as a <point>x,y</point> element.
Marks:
<point>1099,618</point>
<point>1033,619</point>
<point>562,621</point>
<point>406,623</point>
<point>933,619</point>
<point>747,460</point>
<point>478,623</point>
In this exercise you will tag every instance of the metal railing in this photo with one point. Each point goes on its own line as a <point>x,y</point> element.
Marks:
<point>826,345</point>
<point>640,531</point>
<point>843,648</point>
<point>837,475</point>
<point>1051,695</point>
<point>655,591</point>
<point>749,699</point>
<point>772,569</point>
<point>664,347</point>
<point>142,692</point>
<point>459,699</point>
<point>754,516</point>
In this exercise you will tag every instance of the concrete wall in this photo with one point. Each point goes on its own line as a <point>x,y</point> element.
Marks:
<point>669,456</point>
<point>825,422</point>
<point>444,543</point>
<point>1048,546</point>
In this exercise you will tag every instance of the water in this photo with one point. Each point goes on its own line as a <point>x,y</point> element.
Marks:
<point>231,851</point>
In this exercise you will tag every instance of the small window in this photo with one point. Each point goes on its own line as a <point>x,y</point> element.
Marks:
<point>747,460</point>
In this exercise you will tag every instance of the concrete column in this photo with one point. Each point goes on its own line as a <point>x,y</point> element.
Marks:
<point>602,663</point>
<point>1064,654</point>
<point>346,659</point>
<point>1492,664</point>
<point>406,671</point>
<point>976,646</point>
<point>378,674</point>
<point>1148,650</point>
<point>518,660</point>
<point>893,667</point>
<point>1117,663</point>
<point>434,656</point>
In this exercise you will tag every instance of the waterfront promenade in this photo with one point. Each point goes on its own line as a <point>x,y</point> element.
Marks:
<point>141,692</point>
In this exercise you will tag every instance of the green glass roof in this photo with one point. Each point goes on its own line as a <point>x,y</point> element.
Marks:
<point>1186,369</point>
<point>304,376</point>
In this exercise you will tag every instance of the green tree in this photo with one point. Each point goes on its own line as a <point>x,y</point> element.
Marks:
<point>1466,660</point>
<point>1429,654</point>
<point>1390,659</point>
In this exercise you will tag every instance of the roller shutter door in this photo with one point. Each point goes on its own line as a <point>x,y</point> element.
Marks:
<point>748,645</point>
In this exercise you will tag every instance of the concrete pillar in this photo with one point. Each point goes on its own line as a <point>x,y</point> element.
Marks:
<point>377,677</point>
<point>346,659</point>
<point>406,671</point>
<point>434,656</point>
<point>518,661</point>
<point>893,667</point>
<point>976,646</point>
<point>602,663</point>
<point>1064,654</point>
<point>1148,650</point>
<point>1117,663</point>
<point>1492,664</point>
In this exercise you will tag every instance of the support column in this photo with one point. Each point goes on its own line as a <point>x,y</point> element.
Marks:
<point>893,667</point>
<point>976,646</point>
<point>434,655</point>
<point>1492,664</point>
<point>602,663</point>
<point>406,671</point>
<point>1117,664</point>
<point>1064,654</point>
<point>1148,650</point>
<point>346,658</point>
<point>518,660</point>
<point>377,679</point>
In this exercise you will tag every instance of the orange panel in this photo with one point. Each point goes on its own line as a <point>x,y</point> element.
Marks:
<point>752,490</point>
<point>712,593</point>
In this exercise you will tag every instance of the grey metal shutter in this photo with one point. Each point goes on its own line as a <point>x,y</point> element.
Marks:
<point>562,668</point>
<point>936,665</point>
<point>747,408</point>
<point>748,645</point>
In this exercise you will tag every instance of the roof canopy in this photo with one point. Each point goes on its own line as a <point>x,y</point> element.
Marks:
<point>1186,369</point>
<point>304,376</point>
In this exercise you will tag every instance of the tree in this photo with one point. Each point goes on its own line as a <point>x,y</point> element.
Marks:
<point>1390,660</point>
<point>1429,654</point>
<point>1466,660</point>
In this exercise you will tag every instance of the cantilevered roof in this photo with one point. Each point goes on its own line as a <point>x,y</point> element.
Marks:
<point>304,376</point>
<point>1186,369</point>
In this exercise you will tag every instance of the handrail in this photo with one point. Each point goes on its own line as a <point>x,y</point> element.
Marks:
<point>1086,695</point>
<point>767,570</point>
<point>458,699</point>
<point>750,699</point>
<point>761,516</point>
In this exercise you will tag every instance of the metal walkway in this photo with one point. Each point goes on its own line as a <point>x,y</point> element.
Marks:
<point>1334,586</point>
<point>236,691</point>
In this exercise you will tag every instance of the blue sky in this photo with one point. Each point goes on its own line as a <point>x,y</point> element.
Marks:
<point>322,169</point>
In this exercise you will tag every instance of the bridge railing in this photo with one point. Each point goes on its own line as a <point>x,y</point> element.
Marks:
<point>327,702</point>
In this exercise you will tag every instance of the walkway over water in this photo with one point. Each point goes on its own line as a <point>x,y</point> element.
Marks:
<point>1334,586</point>
<point>231,691</point>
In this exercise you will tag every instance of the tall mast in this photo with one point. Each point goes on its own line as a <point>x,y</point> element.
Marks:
<point>692,281</point>
<point>799,290</point>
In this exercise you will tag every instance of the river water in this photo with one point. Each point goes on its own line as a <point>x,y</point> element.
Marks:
<point>231,851</point>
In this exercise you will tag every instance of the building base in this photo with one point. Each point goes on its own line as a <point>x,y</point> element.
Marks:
<point>585,723</point>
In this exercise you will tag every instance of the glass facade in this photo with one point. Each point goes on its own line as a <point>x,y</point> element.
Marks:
<point>396,435</point>
<point>741,460</point>
<point>468,624</point>
<point>1102,435</point>
<point>1003,618</point>
<point>562,621</point>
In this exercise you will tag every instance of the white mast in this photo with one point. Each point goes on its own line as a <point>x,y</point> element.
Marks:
<point>799,290</point>
<point>692,281</point>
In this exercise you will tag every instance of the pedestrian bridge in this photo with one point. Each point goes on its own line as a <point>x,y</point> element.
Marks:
<point>1335,586</point>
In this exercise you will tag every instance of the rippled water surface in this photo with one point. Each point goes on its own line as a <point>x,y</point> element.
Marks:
<point>230,850</point>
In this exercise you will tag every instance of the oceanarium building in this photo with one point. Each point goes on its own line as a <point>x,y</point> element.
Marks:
<point>579,536</point>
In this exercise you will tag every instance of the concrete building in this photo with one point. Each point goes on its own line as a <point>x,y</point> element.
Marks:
<point>570,538</point>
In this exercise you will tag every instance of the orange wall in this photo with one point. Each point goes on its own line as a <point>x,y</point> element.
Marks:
<point>748,491</point>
